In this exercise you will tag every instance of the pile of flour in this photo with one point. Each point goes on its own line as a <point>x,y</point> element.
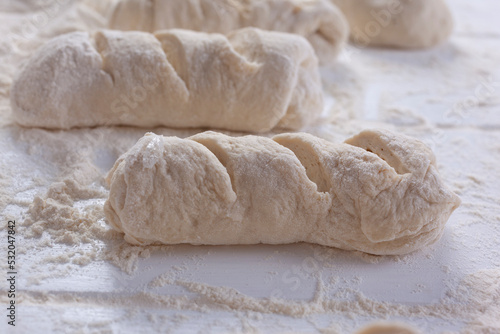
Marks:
<point>52,184</point>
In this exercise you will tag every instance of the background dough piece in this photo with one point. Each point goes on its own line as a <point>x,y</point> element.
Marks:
<point>387,328</point>
<point>406,24</point>
<point>251,80</point>
<point>379,192</point>
<point>318,20</point>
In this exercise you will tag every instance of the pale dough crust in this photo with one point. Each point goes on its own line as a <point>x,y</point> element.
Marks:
<point>250,80</point>
<point>406,24</point>
<point>215,189</point>
<point>387,328</point>
<point>318,20</point>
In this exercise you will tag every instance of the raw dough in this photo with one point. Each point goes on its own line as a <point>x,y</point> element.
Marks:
<point>406,24</point>
<point>251,80</point>
<point>214,189</point>
<point>319,21</point>
<point>387,328</point>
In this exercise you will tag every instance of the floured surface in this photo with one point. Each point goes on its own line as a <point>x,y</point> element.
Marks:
<point>75,274</point>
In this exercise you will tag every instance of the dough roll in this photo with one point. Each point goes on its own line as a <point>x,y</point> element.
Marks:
<point>378,192</point>
<point>250,80</point>
<point>318,20</point>
<point>404,24</point>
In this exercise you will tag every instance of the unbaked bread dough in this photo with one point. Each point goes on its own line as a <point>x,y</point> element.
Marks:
<point>250,80</point>
<point>407,24</point>
<point>319,21</point>
<point>378,192</point>
<point>387,328</point>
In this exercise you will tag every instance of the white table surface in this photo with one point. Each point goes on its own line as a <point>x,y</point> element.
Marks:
<point>410,92</point>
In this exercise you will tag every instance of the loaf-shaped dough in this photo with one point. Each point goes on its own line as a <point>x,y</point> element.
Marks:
<point>251,80</point>
<point>406,24</point>
<point>318,20</point>
<point>378,192</point>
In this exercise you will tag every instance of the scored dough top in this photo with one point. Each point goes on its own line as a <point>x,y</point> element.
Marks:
<point>319,21</point>
<point>250,80</point>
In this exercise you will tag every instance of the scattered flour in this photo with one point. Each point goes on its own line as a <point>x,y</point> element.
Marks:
<point>52,183</point>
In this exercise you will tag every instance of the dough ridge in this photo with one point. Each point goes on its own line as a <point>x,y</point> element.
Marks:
<point>250,80</point>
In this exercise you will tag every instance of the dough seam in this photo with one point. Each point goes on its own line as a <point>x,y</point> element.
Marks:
<point>222,162</point>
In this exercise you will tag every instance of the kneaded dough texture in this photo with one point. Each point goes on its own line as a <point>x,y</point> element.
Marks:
<point>406,24</point>
<point>318,20</point>
<point>388,328</point>
<point>250,80</point>
<point>378,192</point>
